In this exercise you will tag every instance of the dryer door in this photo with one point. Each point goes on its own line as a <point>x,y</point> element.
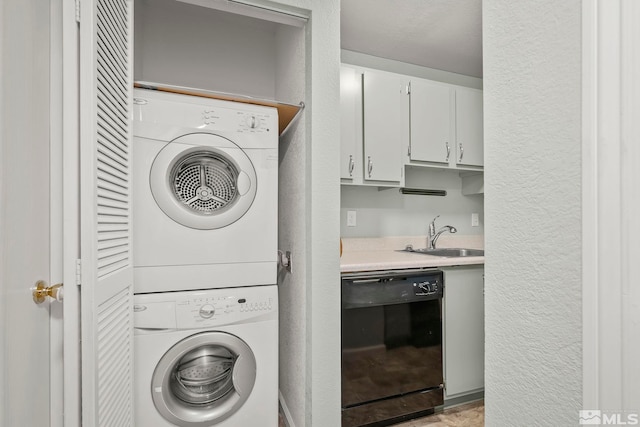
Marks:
<point>203,379</point>
<point>203,181</point>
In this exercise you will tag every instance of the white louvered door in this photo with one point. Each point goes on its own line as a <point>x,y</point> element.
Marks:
<point>106,41</point>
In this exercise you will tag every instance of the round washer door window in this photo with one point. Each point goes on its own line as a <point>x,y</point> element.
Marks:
<point>203,379</point>
<point>203,181</point>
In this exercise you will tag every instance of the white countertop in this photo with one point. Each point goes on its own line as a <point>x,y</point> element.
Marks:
<point>375,254</point>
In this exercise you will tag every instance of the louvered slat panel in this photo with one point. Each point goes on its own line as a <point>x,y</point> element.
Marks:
<point>112,32</point>
<point>107,268</point>
<point>111,53</point>
<point>116,164</point>
<point>108,60</point>
<point>113,203</point>
<point>108,127</point>
<point>114,19</point>
<point>110,141</point>
<point>114,329</point>
<point>107,229</point>
<point>113,148</point>
<point>117,184</point>
<point>114,104</point>
<point>109,79</point>
<point>111,244</point>
<point>111,154</point>
<point>117,235</point>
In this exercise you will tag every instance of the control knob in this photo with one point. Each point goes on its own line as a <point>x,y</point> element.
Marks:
<point>252,122</point>
<point>427,287</point>
<point>207,311</point>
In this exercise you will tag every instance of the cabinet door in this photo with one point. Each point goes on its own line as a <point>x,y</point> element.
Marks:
<point>350,124</point>
<point>469,127</point>
<point>430,122</point>
<point>463,330</point>
<point>386,125</point>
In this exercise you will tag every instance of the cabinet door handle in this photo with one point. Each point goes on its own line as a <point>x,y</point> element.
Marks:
<point>461,152</point>
<point>448,151</point>
<point>352,164</point>
<point>369,166</point>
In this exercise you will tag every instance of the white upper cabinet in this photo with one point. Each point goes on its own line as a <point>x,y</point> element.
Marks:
<point>390,120</point>
<point>350,125</point>
<point>431,129</point>
<point>469,128</point>
<point>386,126</point>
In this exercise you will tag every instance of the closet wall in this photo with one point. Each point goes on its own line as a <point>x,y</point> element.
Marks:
<point>186,45</point>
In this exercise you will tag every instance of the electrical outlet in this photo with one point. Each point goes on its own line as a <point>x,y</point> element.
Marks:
<point>475,221</point>
<point>351,218</point>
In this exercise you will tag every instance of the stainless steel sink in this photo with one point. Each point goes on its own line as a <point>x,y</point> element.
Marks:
<point>446,252</point>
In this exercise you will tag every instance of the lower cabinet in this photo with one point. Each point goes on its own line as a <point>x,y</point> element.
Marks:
<point>463,330</point>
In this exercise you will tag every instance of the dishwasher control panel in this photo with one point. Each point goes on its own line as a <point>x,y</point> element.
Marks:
<point>391,287</point>
<point>426,287</point>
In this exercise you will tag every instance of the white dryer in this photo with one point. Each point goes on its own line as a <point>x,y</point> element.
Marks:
<point>205,193</point>
<point>207,358</point>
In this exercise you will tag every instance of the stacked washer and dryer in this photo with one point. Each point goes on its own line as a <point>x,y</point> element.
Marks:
<point>205,251</point>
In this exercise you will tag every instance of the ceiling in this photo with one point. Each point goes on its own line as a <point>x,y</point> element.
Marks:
<point>441,34</point>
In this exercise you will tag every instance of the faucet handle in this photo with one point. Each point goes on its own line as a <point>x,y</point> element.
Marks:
<point>432,226</point>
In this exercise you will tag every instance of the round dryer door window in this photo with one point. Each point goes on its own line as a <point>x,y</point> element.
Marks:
<point>203,379</point>
<point>203,181</point>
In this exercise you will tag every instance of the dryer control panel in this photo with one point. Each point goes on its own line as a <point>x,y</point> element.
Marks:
<point>203,113</point>
<point>198,309</point>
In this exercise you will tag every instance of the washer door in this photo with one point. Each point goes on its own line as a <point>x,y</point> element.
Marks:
<point>203,181</point>
<point>203,379</point>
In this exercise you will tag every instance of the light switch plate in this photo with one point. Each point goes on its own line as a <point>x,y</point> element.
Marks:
<point>351,218</point>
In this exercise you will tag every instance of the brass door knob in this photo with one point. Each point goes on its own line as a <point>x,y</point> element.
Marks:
<point>41,291</point>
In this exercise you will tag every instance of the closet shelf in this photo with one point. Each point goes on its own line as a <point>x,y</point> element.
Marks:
<point>288,114</point>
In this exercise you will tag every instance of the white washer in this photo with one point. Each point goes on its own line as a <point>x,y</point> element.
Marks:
<point>207,358</point>
<point>205,193</point>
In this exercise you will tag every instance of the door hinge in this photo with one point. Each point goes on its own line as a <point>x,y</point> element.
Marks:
<point>409,89</point>
<point>409,150</point>
<point>78,272</point>
<point>78,11</point>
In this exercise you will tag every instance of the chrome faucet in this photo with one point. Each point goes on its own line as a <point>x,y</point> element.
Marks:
<point>432,237</point>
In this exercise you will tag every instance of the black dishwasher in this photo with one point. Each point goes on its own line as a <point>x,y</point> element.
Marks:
<point>391,346</point>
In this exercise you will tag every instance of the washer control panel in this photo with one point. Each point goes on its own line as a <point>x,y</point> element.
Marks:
<point>207,308</point>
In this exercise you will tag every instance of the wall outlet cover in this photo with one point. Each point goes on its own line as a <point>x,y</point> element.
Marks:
<point>351,218</point>
<point>475,220</point>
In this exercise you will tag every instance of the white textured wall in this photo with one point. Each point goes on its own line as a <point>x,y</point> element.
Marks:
<point>309,225</point>
<point>389,213</point>
<point>292,226</point>
<point>532,112</point>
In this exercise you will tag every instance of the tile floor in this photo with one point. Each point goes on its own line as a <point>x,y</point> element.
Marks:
<point>467,415</point>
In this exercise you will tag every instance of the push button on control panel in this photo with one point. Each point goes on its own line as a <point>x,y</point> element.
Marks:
<point>249,306</point>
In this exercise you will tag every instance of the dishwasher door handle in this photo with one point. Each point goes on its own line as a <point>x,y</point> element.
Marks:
<point>361,281</point>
